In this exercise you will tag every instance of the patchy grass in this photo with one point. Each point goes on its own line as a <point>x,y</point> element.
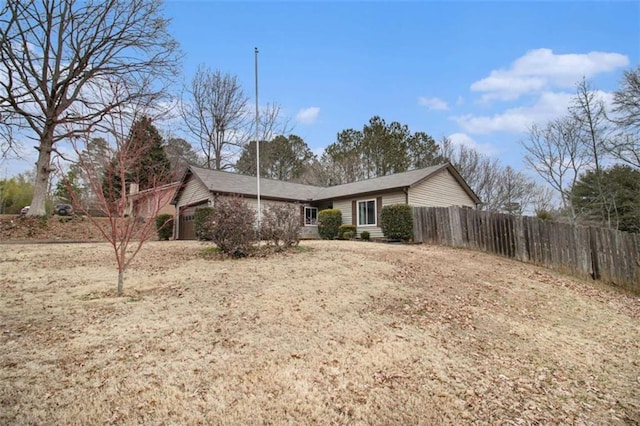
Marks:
<point>337,332</point>
<point>210,251</point>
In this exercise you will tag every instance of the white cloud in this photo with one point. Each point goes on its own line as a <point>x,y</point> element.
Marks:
<point>308,115</point>
<point>433,103</point>
<point>549,106</point>
<point>541,70</point>
<point>463,139</point>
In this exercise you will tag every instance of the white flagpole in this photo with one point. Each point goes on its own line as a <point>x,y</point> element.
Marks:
<point>258,145</point>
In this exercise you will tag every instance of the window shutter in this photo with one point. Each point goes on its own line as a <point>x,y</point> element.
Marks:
<point>378,211</point>
<point>301,215</point>
<point>354,212</point>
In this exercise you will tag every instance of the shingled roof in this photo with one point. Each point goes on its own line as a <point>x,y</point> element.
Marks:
<point>233,183</point>
<point>382,183</point>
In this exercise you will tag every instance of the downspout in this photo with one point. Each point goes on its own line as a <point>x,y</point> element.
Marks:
<point>406,194</point>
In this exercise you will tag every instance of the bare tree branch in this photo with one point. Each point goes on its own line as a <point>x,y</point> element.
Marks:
<point>107,179</point>
<point>214,110</point>
<point>626,101</point>
<point>626,114</point>
<point>55,55</point>
<point>589,113</point>
<point>557,155</point>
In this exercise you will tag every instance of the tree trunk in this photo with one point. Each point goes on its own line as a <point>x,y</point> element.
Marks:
<point>43,170</point>
<point>120,282</point>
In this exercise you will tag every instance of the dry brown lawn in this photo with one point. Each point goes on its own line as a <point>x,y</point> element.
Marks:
<point>337,333</point>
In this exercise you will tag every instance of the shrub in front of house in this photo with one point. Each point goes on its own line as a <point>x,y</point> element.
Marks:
<point>233,227</point>
<point>202,223</point>
<point>397,222</point>
<point>281,225</point>
<point>365,235</point>
<point>164,226</point>
<point>344,229</point>
<point>329,221</point>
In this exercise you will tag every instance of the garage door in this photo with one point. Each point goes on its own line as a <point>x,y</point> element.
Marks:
<point>186,229</point>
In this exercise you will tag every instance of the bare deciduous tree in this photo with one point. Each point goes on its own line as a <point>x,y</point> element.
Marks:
<point>626,101</point>
<point>626,108</point>
<point>480,171</point>
<point>512,192</point>
<point>557,155</point>
<point>214,110</point>
<point>56,54</point>
<point>588,111</point>
<point>500,188</point>
<point>271,123</point>
<point>543,201</point>
<point>589,114</point>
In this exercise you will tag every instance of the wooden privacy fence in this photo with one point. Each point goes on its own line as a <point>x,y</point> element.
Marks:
<point>587,252</point>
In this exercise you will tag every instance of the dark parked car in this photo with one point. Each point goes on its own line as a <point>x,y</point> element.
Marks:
<point>63,210</point>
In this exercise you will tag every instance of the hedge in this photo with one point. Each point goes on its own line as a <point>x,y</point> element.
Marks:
<point>164,226</point>
<point>397,222</point>
<point>329,221</point>
<point>344,229</point>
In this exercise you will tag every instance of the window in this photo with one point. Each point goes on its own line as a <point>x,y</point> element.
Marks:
<point>366,212</point>
<point>310,216</point>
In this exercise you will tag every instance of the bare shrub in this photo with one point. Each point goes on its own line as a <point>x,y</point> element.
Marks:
<point>233,226</point>
<point>281,225</point>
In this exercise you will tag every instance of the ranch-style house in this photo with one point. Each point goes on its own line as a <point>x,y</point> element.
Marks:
<point>360,202</point>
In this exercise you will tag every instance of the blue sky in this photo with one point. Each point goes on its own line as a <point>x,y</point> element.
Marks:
<point>479,72</point>
<point>475,70</point>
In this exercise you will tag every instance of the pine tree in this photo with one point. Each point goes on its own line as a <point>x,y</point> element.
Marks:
<point>146,163</point>
<point>151,166</point>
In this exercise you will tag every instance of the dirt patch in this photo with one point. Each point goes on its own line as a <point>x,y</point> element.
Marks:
<point>345,332</point>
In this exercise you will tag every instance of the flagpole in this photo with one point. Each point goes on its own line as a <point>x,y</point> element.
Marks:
<point>258,145</point>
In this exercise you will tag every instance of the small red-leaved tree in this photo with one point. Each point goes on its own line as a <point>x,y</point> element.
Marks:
<point>129,149</point>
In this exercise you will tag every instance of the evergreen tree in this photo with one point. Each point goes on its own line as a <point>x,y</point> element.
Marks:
<point>283,158</point>
<point>613,195</point>
<point>379,149</point>
<point>150,165</point>
<point>145,162</point>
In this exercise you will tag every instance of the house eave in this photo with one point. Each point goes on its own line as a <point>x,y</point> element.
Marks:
<point>362,194</point>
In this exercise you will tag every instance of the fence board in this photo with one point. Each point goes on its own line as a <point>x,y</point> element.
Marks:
<point>604,254</point>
